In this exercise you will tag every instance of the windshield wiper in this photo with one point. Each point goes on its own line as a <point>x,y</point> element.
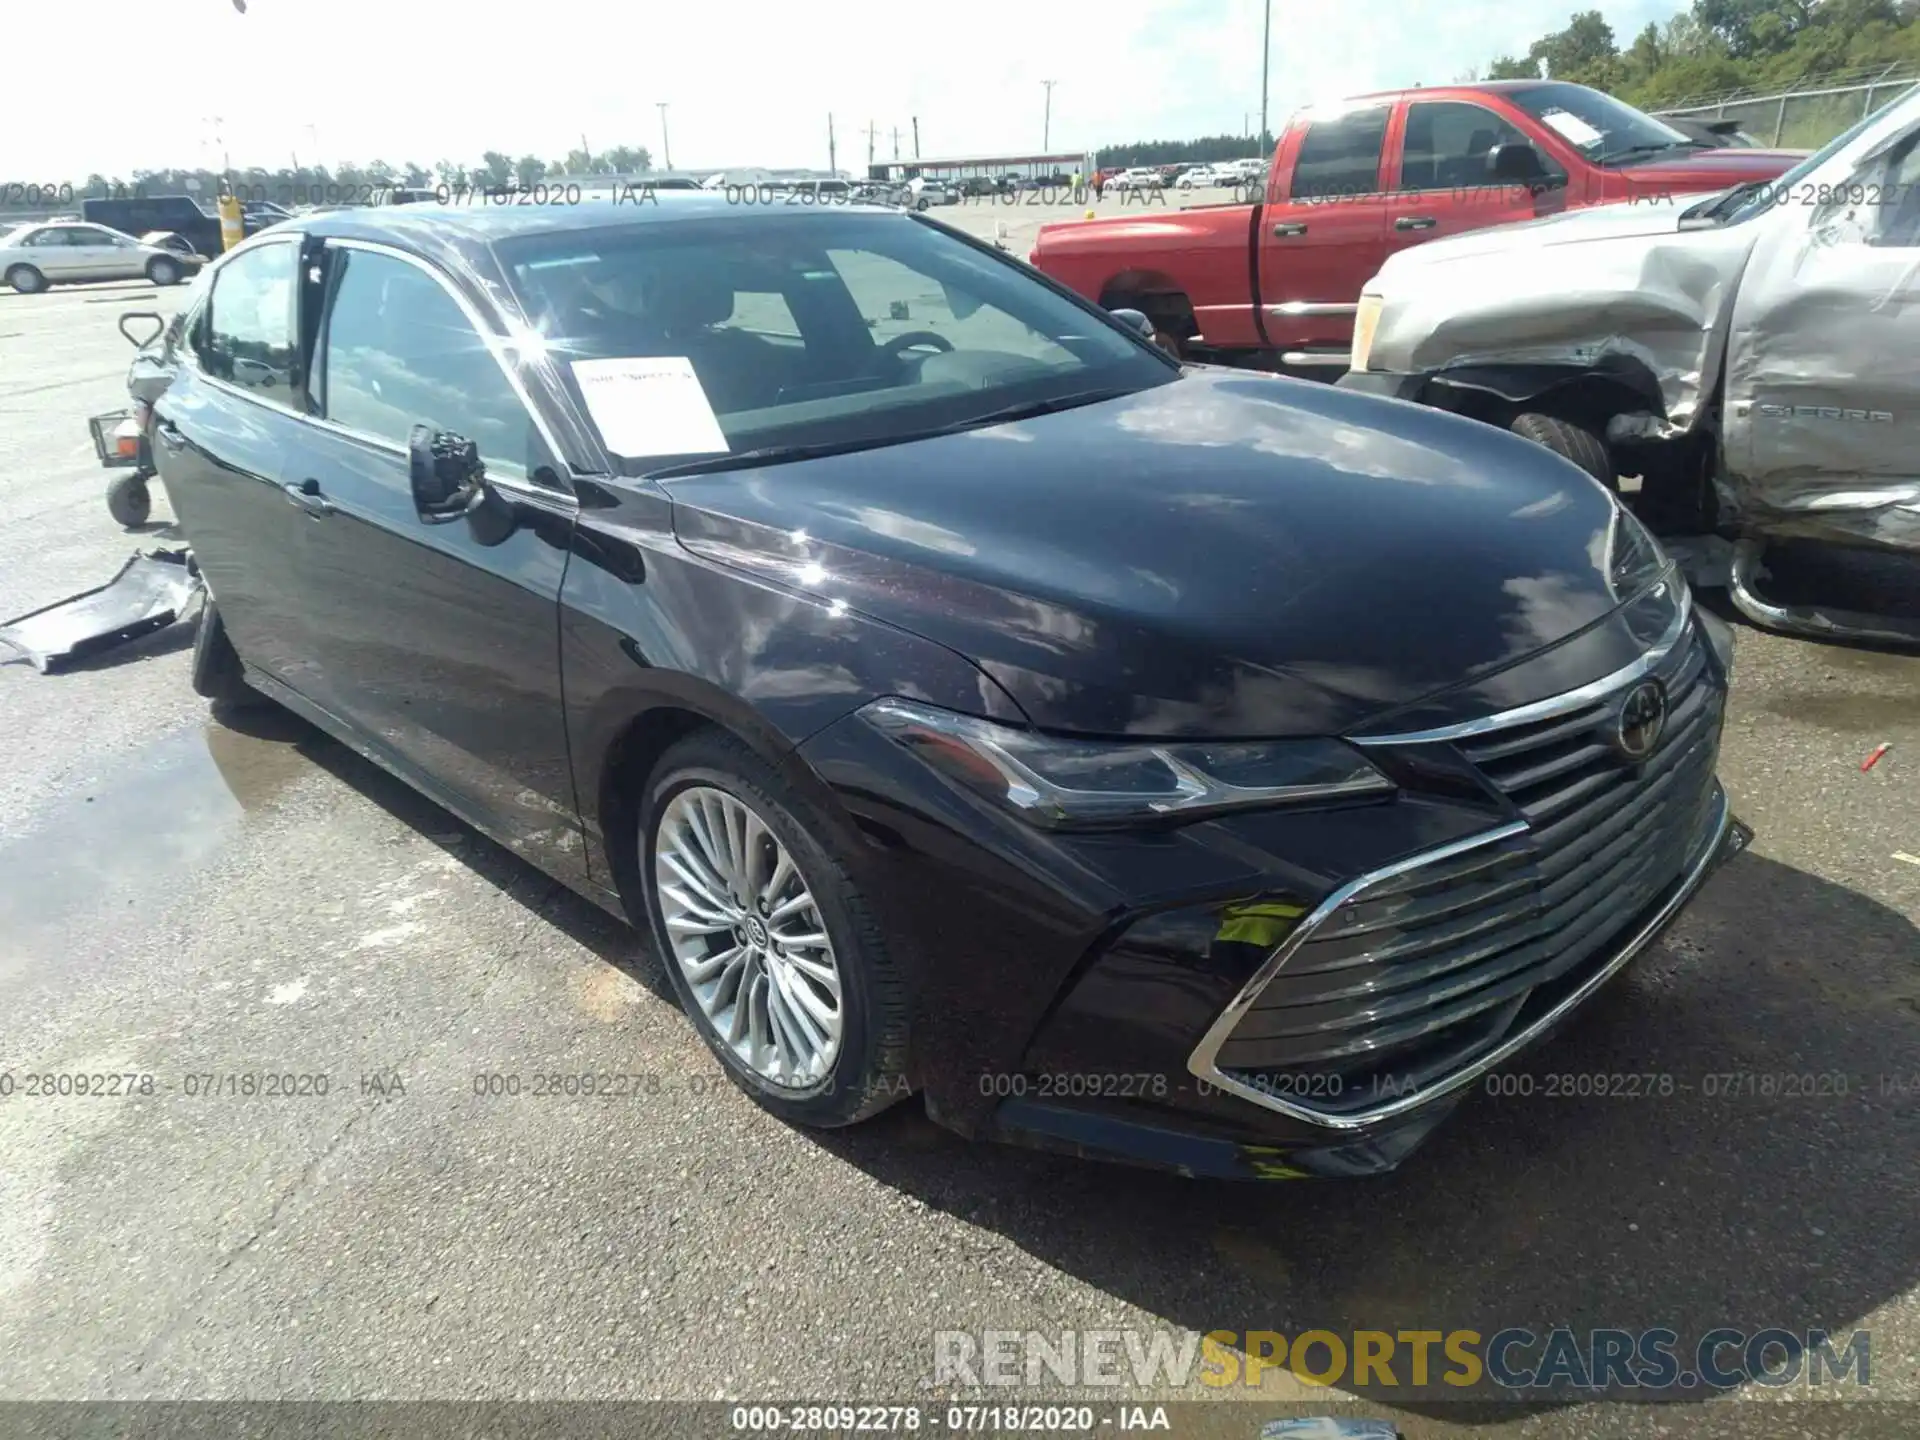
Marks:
<point>772,455</point>
<point>1027,411</point>
<point>781,454</point>
<point>1716,208</point>
<point>1653,148</point>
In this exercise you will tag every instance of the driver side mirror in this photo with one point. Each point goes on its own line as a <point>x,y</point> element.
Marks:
<point>1515,163</point>
<point>449,481</point>
<point>1135,320</point>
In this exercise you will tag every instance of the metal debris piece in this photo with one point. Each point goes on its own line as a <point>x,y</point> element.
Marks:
<point>152,590</point>
<point>1909,859</point>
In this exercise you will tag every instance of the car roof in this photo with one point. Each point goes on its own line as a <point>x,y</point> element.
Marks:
<point>464,235</point>
<point>488,224</point>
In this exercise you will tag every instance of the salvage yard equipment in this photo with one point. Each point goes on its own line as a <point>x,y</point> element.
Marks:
<point>121,438</point>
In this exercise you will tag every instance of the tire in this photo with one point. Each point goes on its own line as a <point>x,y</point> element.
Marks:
<point>921,203</point>
<point>26,279</point>
<point>867,1069</point>
<point>130,500</point>
<point>1574,442</point>
<point>162,271</point>
<point>217,672</point>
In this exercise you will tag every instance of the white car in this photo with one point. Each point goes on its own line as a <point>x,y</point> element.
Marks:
<point>1207,177</point>
<point>926,192</point>
<point>1139,178</point>
<point>32,257</point>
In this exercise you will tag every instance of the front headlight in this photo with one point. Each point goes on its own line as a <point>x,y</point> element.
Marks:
<point>1366,319</point>
<point>1646,580</point>
<point>1062,783</point>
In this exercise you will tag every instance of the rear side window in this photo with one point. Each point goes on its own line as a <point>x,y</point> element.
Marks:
<point>250,338</point>
<point>399,351</point>
<point>1340,155</point>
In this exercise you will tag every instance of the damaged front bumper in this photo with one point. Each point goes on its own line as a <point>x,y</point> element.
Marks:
<point>151,591</point>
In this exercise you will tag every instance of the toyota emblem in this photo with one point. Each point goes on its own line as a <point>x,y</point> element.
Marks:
<point>1642,720</point>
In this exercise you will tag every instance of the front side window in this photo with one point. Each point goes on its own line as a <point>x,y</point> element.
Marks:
<point>49,237</point>
<point>399,352</point>
<point>250,336</point>
<point>818,327</point>
<point>1447,144</point>
<point>1340,155</point>
<point>92,235</point>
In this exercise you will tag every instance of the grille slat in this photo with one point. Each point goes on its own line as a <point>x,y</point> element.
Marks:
<point>1437,964</point>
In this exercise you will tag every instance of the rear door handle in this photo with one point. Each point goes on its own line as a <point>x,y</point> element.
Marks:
<point>171,438</point>
<point>1415,222</point>
<point>308,497</point>
<point>1292,227</point>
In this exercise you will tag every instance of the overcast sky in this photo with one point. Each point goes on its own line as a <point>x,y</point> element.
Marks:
<point>747,81</point>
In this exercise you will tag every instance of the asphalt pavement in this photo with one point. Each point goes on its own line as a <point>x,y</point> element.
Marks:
<point>215,912</point>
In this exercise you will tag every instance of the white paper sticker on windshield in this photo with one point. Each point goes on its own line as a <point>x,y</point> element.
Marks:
<point>650,405</point>
<point>1572,126</point>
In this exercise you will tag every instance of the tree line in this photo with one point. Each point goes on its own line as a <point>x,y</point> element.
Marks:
<point>1207,150</point>
<point>1721,45</point>
<point>1715,46</point>
<point>495,169</point>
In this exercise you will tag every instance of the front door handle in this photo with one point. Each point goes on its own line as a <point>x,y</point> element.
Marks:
<point>1415,222</point>
<point>1292,227</point>
<point>169,437</point>
<point>308,497</point>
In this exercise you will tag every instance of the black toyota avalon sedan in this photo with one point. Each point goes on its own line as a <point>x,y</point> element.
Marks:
<point>1157,762</point>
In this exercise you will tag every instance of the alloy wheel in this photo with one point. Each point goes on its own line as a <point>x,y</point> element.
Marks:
<point>748,937</point>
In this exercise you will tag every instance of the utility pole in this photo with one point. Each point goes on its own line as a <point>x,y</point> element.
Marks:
<point>586,154</point>
<point>1266,51</point>
<point>1046,124</point>
<point>666,145</point>
<point>916,137</point>
<point>896,142</point>
<point>833,164</point>
<point>872,130</point>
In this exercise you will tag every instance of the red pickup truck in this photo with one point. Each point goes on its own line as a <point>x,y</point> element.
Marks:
<point>1275,283</point>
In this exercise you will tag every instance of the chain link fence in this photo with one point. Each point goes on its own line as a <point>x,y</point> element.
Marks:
<point>1800,119</point>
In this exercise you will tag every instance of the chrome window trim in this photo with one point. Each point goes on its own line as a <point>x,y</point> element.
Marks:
<point>1202,1062</point>
<point>521,489</point>
<point>1547,709</point>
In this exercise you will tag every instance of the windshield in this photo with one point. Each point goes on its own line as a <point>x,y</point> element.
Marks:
<point>1600,127</point>
<point>812,328</point>
<point>1761,196</point>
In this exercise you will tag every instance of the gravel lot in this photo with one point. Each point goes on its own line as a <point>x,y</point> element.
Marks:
<point>180,899</point>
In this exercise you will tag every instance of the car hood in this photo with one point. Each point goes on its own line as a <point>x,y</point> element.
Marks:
<point>1711,169</point>
<point>1226,554</point>
<point>1626,220</point>
<point>1615,284</point>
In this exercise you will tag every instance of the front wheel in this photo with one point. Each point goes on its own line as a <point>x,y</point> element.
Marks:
<point>26,280</point>
<point>1565,438</point>
<point>163,271</point>
<point>767,940</point>
<point>129,500</point>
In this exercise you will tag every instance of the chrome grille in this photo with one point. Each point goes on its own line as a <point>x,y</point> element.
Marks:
<point>1419,973</point>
